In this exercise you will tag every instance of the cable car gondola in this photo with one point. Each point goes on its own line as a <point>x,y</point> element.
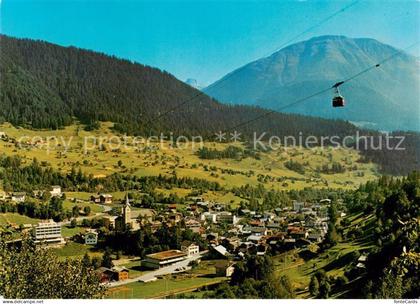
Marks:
<point>338,100</point>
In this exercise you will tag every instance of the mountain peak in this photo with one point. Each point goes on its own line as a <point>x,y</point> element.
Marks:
<point>306,67</point>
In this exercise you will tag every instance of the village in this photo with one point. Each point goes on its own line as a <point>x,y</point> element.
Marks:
<point>228,235</point>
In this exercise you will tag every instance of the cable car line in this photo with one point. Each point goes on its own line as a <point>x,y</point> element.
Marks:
<point>160,115</point>
<point>335,86</point>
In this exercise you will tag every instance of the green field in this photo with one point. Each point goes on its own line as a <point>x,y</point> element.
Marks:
<point>67,231</point>
<point>333,260</point>
<point>72,249</point>
<point>159,288</point>
<point>166,159</point>
<point>94,208</point>
<point>16,219</point>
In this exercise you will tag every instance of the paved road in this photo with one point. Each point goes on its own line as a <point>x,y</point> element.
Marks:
<point>150,276</point>
<point>89,217</point>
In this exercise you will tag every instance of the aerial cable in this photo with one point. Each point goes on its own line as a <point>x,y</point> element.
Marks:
<point>335,86</point>
<point>200,93</point>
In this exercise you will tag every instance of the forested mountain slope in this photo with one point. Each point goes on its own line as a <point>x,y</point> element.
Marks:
<point>45,86</point>
<point>48,86</point>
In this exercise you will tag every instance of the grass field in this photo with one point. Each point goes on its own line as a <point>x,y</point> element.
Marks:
<point>159,288</point>
<point>72,249</point>
<point>94,208</point>
<point>67,231</point>
<point>165,159</point>
<point>333,260</point>
<point>86,195</point>
<point>16,219</point>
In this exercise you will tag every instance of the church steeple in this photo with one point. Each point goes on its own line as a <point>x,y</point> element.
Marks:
<point>126,212</point>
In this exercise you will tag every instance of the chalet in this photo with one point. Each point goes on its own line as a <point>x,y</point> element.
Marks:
<point>189,248</point>
<point>38,193</point>
<point>120,273</point>
<point>91,237</point>
<point>56,191</point>
<point>19,197</point>
<point>224,268</point>
<point>101,199</point>
<point>105,275</point>
<point>95,199</point>
<point>194,225</point>
<point>105,199</point>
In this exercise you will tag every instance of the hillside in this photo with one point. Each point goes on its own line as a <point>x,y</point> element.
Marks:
<point>46,86</point>
<point>383,99</point>
<point>267,168</point>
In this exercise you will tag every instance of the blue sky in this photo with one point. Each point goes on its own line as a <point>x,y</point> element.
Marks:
<point>203,39</point>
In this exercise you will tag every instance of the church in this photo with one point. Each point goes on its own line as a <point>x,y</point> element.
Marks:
<point>124,221</point>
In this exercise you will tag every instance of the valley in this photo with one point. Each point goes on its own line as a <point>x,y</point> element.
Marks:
<point>165,159</point>
<point>64,152</point>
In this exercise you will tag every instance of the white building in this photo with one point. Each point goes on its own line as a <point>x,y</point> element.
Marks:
<point>209,217</point>
<point>56,191</point>
<point>18,197</point>
<point>190,248</point>
<point>48,232</point>
<point>226,217</point>
<point>163,259</point>
<point>91,237</point>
